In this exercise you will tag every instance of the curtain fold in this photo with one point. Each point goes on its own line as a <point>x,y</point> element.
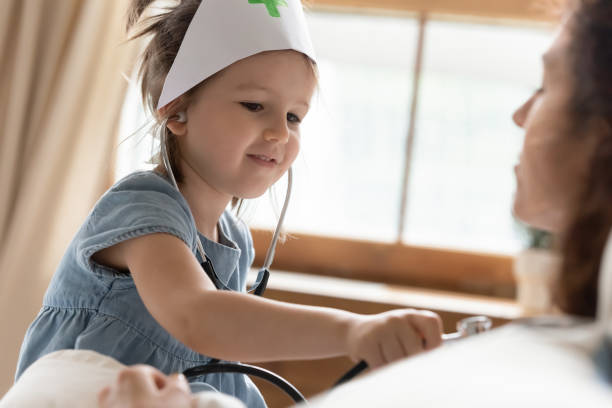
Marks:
<point>61,93</point>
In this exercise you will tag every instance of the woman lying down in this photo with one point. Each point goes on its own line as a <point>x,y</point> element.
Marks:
<point>564,185</point>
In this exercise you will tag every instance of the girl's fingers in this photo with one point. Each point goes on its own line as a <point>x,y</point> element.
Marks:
<point>410,339</point>
<point>393,335</point>
<point>374,356</point>
<point>392,349</point>
<point>429,326</point>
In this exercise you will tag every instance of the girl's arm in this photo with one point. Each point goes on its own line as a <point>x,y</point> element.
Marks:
<point>239,327</point>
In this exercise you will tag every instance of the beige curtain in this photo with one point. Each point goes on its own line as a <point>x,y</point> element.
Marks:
<point>61,91</point>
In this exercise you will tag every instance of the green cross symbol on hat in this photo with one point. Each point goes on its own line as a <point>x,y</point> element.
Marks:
<point>271,5</point>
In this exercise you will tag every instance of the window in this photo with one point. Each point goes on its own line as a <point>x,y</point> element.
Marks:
<point>462,78</point>
<point>349,177</point>
<point>462,181</point>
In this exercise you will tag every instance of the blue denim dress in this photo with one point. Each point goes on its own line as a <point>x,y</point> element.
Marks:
<point>90,306</point>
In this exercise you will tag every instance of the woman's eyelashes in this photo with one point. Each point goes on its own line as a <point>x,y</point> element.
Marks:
<point>256,107</point>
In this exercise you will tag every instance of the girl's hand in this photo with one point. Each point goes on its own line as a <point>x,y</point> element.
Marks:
<point>146,386</point>
<point>386,337</point>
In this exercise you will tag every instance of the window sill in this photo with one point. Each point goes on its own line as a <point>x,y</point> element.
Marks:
<point>299,287</point>
<point>391,263</point>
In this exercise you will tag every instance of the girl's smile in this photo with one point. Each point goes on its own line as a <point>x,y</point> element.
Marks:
<point>263,160</point>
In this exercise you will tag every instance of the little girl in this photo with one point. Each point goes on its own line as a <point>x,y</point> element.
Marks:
<point>228,82</point>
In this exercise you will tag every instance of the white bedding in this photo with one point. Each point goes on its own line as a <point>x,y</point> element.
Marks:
<point>514,366</point>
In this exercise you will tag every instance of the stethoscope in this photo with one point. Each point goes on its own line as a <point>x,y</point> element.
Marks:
<point>465,327</point>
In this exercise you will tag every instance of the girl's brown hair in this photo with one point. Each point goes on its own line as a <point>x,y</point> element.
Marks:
<point>166,31</point>
<point>583,243</point>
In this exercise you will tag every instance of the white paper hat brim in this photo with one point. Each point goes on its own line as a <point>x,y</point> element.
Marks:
<point>225,31</point>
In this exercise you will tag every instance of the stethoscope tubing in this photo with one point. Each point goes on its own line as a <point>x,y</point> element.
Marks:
<point>240,368</point>
<point>215,366</point>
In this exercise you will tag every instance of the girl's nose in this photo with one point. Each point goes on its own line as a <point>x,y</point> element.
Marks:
<point>278,133</point>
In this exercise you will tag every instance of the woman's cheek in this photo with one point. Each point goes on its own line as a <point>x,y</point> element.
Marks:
<point>520,194</point>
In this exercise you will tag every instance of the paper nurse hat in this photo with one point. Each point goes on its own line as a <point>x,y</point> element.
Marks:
<point>225,31</point>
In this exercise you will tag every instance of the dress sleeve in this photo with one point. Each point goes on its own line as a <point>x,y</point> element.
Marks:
<point>136,207</point>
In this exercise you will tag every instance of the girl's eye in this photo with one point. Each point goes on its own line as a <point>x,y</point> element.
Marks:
<point>293,118</point>
<point>256,107</point>
<point>252,106</point>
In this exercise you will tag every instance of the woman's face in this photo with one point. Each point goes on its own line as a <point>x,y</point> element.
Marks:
<point>556,151</point>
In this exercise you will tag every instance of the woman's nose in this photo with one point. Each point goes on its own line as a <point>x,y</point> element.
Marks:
<point>521,113</point>
<point>518,117</point>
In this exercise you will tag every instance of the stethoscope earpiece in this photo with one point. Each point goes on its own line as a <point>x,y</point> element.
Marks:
<point>180,117</point>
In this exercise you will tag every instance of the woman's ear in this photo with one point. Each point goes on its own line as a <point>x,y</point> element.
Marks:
<point>177,124</point>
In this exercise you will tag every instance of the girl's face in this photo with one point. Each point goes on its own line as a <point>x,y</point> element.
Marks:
<point>243,126</point>
<point>555,151</point>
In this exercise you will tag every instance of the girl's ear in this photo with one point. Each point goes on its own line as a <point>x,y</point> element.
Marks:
<point>177,124</point>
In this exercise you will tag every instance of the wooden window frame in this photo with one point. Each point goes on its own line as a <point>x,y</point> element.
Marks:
<point>392,263</point>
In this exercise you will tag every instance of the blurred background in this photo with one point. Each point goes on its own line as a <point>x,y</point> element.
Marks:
<point>405,178</point>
